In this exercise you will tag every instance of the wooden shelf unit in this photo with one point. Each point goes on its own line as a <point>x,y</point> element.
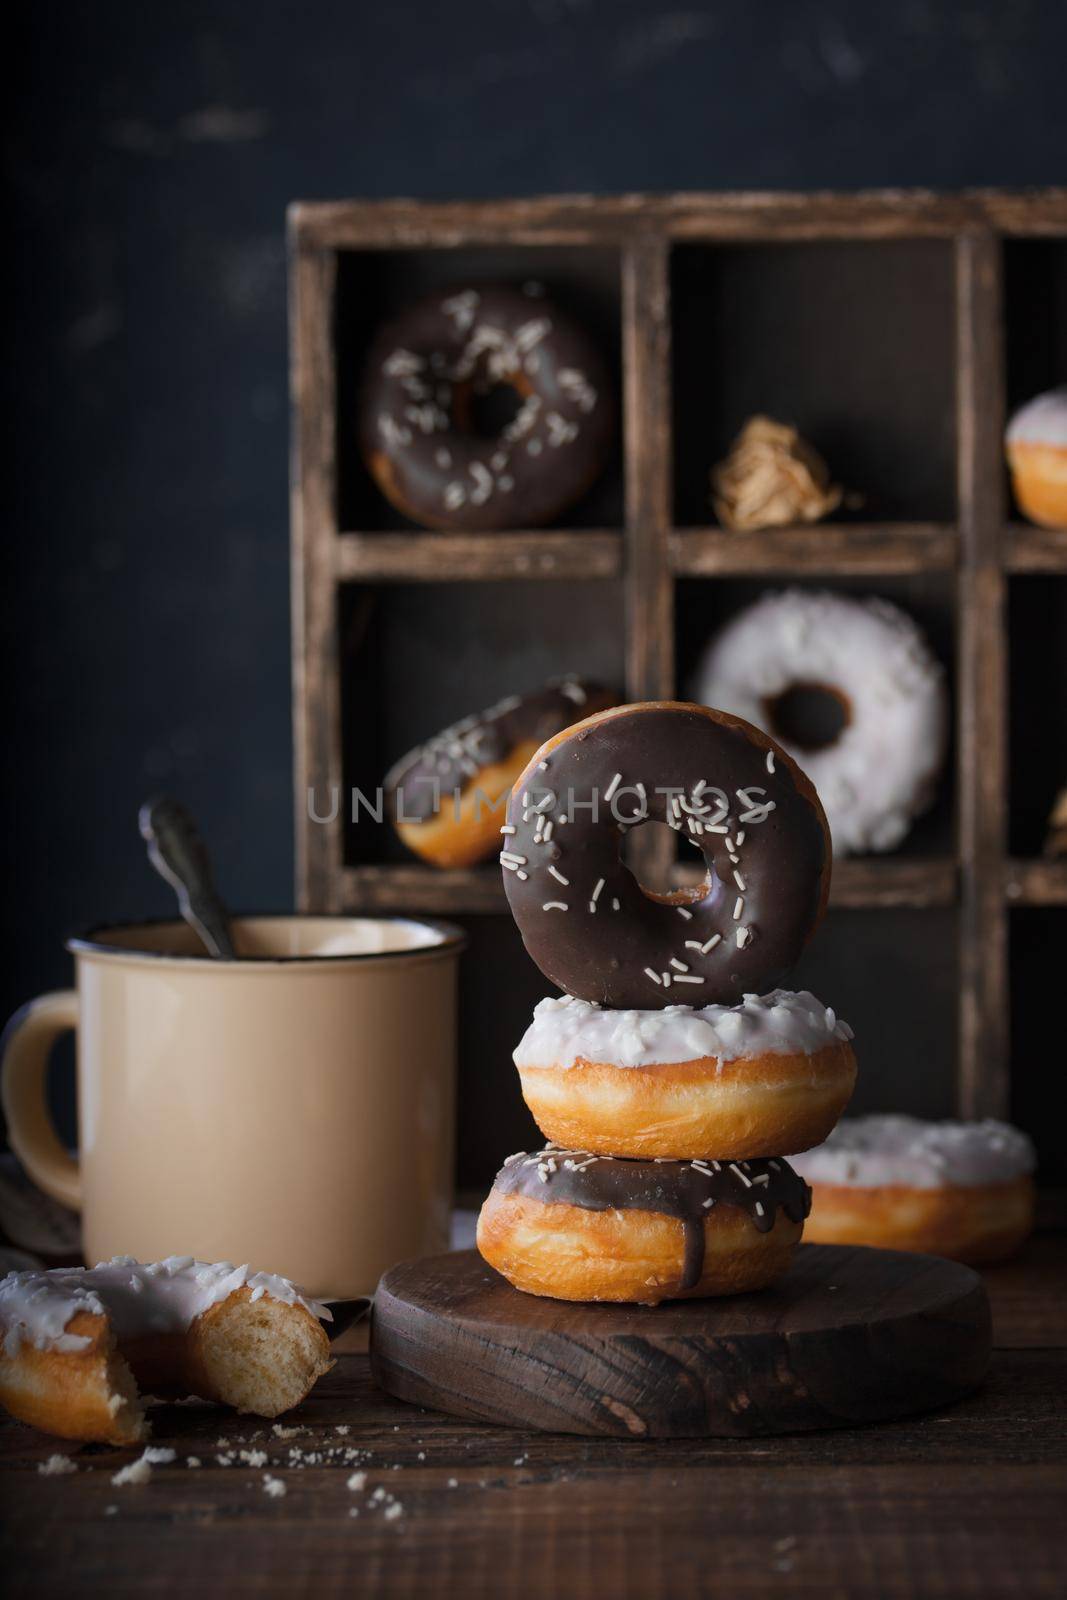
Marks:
<point>973,552</point>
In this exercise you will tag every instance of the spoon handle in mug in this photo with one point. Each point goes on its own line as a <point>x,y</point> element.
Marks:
<point>179,855</point>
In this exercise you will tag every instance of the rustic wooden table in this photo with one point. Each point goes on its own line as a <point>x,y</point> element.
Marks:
<point>968,1501</point>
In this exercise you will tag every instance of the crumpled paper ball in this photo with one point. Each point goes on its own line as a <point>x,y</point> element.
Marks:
<point>770,479</point>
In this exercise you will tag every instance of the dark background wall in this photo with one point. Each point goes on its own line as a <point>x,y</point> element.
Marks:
<point>150,152</point>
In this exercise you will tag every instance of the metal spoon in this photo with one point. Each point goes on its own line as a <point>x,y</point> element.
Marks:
<point>346,1313</point>
<point>178,854</point>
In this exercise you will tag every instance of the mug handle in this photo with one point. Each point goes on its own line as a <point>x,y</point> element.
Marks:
<point>27,1044</point>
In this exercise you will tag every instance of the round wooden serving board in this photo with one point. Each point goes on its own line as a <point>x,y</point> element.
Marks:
<point>848,1336</point>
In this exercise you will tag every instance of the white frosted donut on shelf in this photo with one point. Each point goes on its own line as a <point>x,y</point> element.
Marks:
<point>881,770</point>
<point>1036,447</point>
<point>958,1189</point>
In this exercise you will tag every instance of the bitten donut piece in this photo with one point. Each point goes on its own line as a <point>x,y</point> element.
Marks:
<point>881,770</point>
<point>573,1225</point>
<point>448,797</point>
<point>959,1189</point>
<point>1036,446</point>
<point>77,1342</point>
<point>430,384</point>
<point>770,1074</point>
<point>723,786</point>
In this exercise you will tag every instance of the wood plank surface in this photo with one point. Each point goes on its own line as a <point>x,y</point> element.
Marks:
<point>967,1501</point>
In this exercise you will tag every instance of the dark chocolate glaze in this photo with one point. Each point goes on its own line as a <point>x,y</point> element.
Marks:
<point>416,428</point>
<point>452,759</point>
<point>684,1189</point>
<point>609,940</point>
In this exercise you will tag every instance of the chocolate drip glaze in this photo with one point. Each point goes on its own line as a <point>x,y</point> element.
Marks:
<point>425,779</point>
<point>727,789</point>
<point>688,1190</point>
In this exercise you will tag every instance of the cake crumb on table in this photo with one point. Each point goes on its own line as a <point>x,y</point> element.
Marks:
<point>56,1466</point>
<point>273,1486</point>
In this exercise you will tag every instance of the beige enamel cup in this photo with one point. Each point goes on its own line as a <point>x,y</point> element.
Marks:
<point>293,1109</point>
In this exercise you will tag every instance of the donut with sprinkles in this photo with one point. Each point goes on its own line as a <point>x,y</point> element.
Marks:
<point>730,793</point>
<point>485,408</point>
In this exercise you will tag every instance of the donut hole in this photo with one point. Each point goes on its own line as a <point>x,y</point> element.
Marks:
<point>657,879</point>
<point>492,408</point>
<point>809,716</point>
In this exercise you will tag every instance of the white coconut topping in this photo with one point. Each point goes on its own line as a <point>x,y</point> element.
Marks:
<point>566,1030</point>
<point>869,1152</point>
<point>162,1297</point>
<point>1042,420</point>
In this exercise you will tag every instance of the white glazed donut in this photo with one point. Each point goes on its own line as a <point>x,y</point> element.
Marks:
<point>1036,446</point>
<point>881,770</point>
<point>958,1189</point>
<point>76,1342</point>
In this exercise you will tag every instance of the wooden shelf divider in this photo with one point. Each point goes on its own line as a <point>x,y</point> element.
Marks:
<point>981,711</point>
<point>833,549</point>
<point>474,557</point>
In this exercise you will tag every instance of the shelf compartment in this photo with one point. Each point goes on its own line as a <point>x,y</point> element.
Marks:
<point>835,549</point>
<point>885,884</point>
<point>470,557</point>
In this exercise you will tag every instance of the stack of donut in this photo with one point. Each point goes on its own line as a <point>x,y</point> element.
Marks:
<point>674,1076</point>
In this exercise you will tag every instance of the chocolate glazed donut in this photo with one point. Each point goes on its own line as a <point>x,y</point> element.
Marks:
<point>428,373</point>
<point>683,1189</point>
<point>718,782</point>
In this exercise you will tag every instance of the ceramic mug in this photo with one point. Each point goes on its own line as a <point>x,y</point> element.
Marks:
<point>293,1109</point>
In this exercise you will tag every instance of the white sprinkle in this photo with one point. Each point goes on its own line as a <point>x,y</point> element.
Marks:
<point>759,1208</point>
<point>666,979</point>
<point>507,828</point>
<point>682,912</point>
<point>510,855</point>
<point>273,1486</point>
<point>739,906</point>
<point>679,966</point>
<point>654,976</point>
<point>743,936</point>
<point>554,905</point>
<point>690,978</point>
<point>746,1181</point>
<point>356,1480</point>
<point>546,832</point>
<point>596,891</point>
<point>739,881</point>
<point>522,876</point>
<point>614,905</point>
<point>770,760</point>
<point>708,1203</point>
<point>710,943</point>
<point>693,944</point>
<point>740,839</point>
<point>560,878</point>
<point>612,786</point>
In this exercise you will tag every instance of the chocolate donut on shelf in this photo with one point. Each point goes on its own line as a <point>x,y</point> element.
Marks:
<point>719,783</point>
<point>428,432</point>
<point>447,798</point>
<point>579,1226</point>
